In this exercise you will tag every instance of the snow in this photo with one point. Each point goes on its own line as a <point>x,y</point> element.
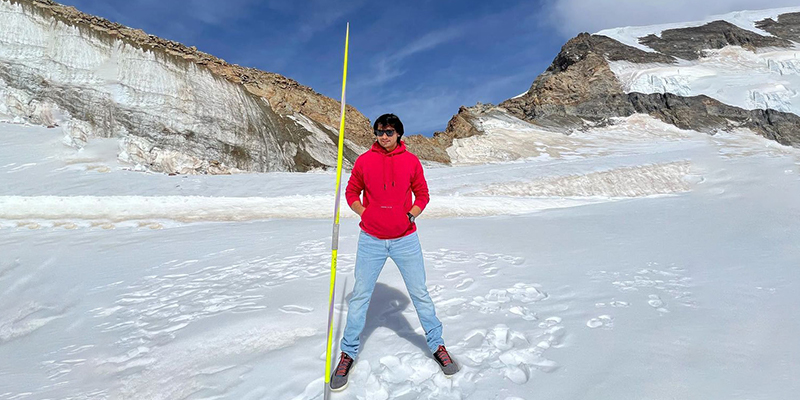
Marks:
<point>766,79</point>
<point>746,20</point>
<point>763,79</point>
<point>625,262</point>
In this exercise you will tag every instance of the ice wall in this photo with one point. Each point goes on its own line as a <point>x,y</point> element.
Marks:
<point>170,114</point>
<point>733,75</point>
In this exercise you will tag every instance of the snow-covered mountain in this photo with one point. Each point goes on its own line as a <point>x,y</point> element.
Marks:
<point>633,259</point>
<point>738,70</point>
<point>171,107</point>
<point>175,109</point>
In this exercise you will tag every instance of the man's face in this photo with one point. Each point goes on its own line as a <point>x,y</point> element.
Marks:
<point>386,141</point>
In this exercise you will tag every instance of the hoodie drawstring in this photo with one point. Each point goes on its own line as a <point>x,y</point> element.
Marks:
<point>384,173</point>
<point>390,156</point>
<point>391,171</point>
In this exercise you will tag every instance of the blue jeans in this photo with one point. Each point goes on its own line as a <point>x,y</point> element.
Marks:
<point>406,252</point>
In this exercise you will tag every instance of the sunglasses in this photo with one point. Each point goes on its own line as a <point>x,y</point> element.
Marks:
<point>387,132</point>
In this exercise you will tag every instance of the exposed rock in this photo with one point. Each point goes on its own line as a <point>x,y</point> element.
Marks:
<point>787,26</point>
<point>689,43</point>
<point>461,125</point>
<point>578,85</point>
<point>704,114</point>
<point>579,47</point>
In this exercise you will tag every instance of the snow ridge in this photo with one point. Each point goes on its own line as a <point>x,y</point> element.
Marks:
<point>747,19</point>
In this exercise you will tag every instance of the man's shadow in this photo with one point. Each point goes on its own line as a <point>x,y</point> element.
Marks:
<point>386,310</point>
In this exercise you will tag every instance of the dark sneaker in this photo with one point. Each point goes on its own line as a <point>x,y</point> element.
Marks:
<point>442,357</point>
<point>339,377</point>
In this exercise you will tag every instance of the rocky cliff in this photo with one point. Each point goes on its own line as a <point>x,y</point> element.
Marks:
<point>174,108</point>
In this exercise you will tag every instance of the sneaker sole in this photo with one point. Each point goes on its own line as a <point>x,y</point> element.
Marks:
<point>341,388</point>
<point>449,376</point>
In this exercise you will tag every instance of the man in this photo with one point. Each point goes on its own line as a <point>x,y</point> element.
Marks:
<point>388,175</point>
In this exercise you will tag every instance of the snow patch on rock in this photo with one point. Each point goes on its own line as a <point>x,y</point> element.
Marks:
<point>746,20</point>
<point>766,79</point>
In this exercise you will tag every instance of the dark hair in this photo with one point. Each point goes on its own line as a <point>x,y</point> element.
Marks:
<point>389,120</point>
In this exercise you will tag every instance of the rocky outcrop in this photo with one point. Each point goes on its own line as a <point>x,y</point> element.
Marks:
<point>787,26</point>
<point>689,43</point>
<point>579,86</point>
<point>704,114</point>
<point>462,125</point>
<point>174,108</point>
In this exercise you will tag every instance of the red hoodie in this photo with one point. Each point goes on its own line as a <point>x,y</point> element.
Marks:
<point>387,180</point>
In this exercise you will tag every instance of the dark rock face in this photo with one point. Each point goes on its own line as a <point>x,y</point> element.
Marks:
<point>704,114</point>
<point>579,48</point>
<point>787,26</point>
<point>688,43</point>
<point>579,85</point>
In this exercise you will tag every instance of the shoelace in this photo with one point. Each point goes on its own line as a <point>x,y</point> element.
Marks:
<point>344,365</point>
<point>443,356</point>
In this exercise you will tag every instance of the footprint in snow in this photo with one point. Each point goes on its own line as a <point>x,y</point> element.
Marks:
<point>604,321</point>
<point>454,274</point>
<point>516,355</point>
<point>465,284</point>
<point>293,309</point>
<point>614,303</point>
<point>657,303</point>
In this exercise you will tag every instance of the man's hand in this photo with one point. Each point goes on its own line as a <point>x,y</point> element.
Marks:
<point>358,208</point>
<point>415,211</point>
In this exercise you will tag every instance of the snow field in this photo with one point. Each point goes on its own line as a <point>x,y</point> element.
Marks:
<point>679,259</point>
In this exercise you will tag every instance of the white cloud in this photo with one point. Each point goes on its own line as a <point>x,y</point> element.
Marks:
<point>429,41</point>
<point>570,17</point>
<point>387,66</point>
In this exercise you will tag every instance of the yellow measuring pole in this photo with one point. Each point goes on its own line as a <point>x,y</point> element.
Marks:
<point>335,238</point>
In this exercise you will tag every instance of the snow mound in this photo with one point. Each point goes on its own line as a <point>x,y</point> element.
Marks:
<point>109,212</point>
<point>638,181</point>
<point>506,138</point>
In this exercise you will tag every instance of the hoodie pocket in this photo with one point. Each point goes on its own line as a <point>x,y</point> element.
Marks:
<point>385,221</point>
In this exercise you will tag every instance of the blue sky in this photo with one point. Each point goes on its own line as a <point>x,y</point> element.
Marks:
<point>418,59</point>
